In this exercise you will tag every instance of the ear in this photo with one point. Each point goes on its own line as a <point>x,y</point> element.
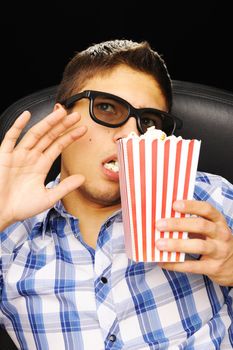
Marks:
<point>57,106</point>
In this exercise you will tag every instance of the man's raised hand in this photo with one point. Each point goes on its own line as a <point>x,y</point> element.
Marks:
<point>24,166</point>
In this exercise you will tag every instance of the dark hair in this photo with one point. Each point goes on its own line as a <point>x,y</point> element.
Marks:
<point>102,57</point>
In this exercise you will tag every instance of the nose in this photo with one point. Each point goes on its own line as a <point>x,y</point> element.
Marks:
<point>125,129</point>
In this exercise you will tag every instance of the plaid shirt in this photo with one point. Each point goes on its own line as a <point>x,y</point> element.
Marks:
<point>58,293</point>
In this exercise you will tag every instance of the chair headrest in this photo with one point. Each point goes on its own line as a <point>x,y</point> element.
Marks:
<point>207,114</point>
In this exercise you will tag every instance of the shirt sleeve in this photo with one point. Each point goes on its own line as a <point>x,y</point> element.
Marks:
<point>227,206</point>
<point>11,238</point>
<point>218,191</point>
<point>1,281</point>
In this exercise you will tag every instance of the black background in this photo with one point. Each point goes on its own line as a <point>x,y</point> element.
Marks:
<point>38,39</point>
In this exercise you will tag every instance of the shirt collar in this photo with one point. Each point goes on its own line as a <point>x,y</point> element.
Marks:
<point>61,211</point>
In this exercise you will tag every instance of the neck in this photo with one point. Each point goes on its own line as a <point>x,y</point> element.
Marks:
<point>91,215</point>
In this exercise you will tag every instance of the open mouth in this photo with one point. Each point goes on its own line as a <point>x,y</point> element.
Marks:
<point>112,165</point>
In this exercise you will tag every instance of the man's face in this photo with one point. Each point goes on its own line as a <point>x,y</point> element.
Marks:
<point>95,154</point>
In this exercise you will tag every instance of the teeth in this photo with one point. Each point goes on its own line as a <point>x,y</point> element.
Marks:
<point>113,165</point>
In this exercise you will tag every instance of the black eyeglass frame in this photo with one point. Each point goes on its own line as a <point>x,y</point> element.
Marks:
<point>132,111</point>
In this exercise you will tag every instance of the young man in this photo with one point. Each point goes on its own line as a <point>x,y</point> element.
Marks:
<point>66,280</point>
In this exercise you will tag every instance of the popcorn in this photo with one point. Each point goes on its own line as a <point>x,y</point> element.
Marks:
<point>154,171</point>
<point>151,132</point>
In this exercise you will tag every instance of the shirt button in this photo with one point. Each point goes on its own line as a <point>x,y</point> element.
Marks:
<point>104,280</point>
<point>112,337</point>
<point>108,223</point>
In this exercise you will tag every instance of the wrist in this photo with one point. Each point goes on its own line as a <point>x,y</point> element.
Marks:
<point>4,224</point>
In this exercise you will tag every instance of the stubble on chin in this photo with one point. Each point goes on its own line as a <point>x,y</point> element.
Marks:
<point>103,196</point>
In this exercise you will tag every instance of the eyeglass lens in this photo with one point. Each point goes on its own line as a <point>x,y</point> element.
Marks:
<point>109,110</point>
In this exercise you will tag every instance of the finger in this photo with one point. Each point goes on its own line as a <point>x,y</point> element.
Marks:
<point>36,132</point>
<point>66,186</point>
<point>188,266</point>
<point>194,225</point>
<point>64,141</point>
<point>14,132</point>
<point>55,132</point>
<point>189,246</point>
<point>199,208</point>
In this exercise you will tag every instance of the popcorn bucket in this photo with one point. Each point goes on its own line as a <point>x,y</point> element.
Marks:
<point>153,174</point>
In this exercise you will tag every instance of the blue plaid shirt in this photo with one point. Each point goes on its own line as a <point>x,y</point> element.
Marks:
<point>58,293</point>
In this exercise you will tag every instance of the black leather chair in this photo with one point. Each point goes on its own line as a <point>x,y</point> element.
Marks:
<point>207,114</point>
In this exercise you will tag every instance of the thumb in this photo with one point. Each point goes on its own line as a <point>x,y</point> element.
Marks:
<point>66,186</point>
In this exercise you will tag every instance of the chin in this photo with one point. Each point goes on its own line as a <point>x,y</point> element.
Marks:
<point>106,196</point>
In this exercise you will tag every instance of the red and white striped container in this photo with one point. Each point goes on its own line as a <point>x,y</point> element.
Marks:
<point>153,174</point>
